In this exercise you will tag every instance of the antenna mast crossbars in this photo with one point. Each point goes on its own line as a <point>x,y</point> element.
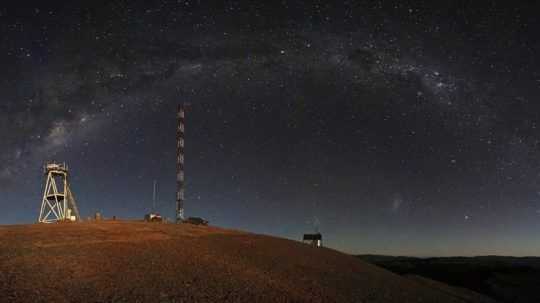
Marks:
<point>180,184</point>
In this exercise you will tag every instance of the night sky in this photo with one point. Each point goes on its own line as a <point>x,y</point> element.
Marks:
<point>392,127</point>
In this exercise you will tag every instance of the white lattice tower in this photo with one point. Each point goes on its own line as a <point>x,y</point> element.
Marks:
<point>58,203</point>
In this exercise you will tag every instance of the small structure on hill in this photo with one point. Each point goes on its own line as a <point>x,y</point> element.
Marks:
<point>153,218</point>
<point>195,221</point>
<point>314,240</point>
<point>58,203</point>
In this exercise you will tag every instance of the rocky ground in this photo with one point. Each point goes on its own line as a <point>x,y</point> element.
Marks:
<point>153,262</point>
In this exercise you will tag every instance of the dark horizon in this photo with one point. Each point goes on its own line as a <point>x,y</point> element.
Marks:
<point>393,128</point>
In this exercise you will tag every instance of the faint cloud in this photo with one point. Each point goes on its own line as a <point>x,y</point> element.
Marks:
<point>18,153</point>
<point>5,173</point>
<point>57,134</point>
<point>397,201</point>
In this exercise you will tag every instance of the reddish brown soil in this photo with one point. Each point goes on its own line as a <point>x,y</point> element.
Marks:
<point>153,262</point>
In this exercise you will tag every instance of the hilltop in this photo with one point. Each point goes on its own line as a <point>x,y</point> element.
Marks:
<point>152,262</point>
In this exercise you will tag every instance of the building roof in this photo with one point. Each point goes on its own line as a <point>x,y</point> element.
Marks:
<point>316,236</point>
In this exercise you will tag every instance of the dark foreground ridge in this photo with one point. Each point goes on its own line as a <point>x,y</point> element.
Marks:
<point>152,262</point>
<point>506,279</point>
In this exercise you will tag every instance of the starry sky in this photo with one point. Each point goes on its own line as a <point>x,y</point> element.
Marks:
<point>393,127</point>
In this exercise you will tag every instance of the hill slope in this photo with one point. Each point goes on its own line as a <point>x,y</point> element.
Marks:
<point>142,262</point>
<point>507,279</point>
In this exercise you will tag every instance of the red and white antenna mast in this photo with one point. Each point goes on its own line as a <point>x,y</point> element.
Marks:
<point>180,183</point>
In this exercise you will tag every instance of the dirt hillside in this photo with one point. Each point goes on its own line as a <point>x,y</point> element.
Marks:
<point>152,262</point>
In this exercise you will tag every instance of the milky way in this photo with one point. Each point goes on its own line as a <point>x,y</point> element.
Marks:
<point>391,128</point>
